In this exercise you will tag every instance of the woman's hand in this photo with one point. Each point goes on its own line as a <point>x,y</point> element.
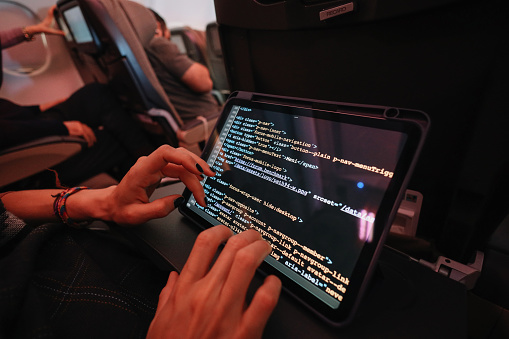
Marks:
<point>125,204</point>
<point>206,302</point>
<point>45,26</point>
<point>129,201</point>
<point>79,129</point>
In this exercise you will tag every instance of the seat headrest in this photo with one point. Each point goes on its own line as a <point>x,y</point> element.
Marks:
<point>142,19</point>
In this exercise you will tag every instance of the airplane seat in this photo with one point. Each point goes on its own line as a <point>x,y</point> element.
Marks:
<point>119,51</point>
<point>215,60</point>
<point>22,161</point>
<point>190,42</point>
<point>193,43</point>
<point>493,284</point>
<point>443,57</point>
<point>488,302</point>
<point>143,21</point>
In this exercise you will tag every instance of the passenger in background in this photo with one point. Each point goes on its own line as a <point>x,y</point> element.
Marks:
<point>186,82</point>
<point>13,37</point>
<point>196,36</point>
<point>162,30</point>
<point>92,113</point>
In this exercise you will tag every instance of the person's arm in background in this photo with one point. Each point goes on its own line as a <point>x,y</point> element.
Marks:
<point>18,125</point>
<point>12,37</point>
<point>47,105</point>
<point>197,78</point>
<point>192,74</point>
<point>18,132</point>
<point>21,124</point>
<point>45,26</point>
<point>74,128</point>
<point>16,36</point>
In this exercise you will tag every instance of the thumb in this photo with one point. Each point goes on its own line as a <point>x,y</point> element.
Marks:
<point>159,208</point>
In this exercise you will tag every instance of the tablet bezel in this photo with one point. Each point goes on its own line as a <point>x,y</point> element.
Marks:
<point>413,123</point>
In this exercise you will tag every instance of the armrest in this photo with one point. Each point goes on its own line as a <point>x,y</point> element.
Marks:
<point>197,130</point>
<point>27,159</point>
<point>193,132</point>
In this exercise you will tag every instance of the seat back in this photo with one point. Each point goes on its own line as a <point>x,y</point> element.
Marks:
<point>190,42</point>
<point>121,29</point>
<point>137,24</point>
<point>193,133</point>
<point>123,58</point>
<point>215,59</point>
<point>25,160</point>
<point>441,57</point>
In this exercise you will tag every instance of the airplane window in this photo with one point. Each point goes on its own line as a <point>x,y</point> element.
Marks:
<point>26,58</point>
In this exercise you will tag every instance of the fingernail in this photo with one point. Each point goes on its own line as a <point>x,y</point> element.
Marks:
<point>202,177</point>
<point>177,202</point>
<point>199,168</point>
<point>213,170</point>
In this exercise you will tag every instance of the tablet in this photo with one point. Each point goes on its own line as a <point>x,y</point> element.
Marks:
<point>321,181</point>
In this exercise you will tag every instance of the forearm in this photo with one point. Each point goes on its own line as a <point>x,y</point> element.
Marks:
<point>12,37</point>
<point>47,105</point>
<point>197,78</point>
<point>128,203</point>
<point>36,206</point>
<point>17,132</point>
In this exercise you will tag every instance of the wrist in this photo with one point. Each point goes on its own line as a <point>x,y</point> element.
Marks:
<point>28,33</point>
<point>89,205</point>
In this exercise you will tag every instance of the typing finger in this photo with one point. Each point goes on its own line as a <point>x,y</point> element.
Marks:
<point>263,303</point>
<point>141,213</point>
<point>167,290</point>
<point>162,306</point>
<point>189,179</point>
<point>203,252</point>
<point>166,154</point>
<point>222,266</point>
<point>243,268</point>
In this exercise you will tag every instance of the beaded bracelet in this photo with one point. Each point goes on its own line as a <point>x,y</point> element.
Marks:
<point>60,210</point>
<point>28,36</point>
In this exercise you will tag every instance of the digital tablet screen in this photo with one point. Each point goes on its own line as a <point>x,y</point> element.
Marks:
<point>318,185</point>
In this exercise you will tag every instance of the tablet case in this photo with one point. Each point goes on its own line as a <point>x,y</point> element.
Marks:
<point>249,145</point>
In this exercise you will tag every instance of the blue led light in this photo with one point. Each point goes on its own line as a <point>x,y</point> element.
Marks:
<point>360,184</point>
